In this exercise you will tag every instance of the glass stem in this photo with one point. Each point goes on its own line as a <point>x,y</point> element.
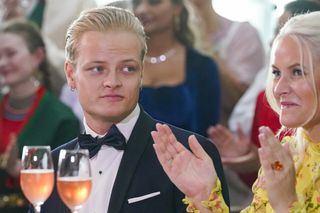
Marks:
<point>37,209</point>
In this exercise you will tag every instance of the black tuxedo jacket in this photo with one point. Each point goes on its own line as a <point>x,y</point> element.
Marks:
<point>140,173</point>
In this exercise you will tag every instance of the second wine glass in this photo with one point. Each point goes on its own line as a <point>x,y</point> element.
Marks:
<point>74,178</point>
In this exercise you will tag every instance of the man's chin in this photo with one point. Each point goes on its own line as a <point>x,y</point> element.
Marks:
<point>114,116</point>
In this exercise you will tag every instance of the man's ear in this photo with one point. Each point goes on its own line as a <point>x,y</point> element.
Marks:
<point>69,70</point>
<point>141,76</point>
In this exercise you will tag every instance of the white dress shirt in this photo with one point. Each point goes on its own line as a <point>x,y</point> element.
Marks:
<point>105,165</point>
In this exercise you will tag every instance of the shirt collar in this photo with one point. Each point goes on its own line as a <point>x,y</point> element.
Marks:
<point>125,126</point>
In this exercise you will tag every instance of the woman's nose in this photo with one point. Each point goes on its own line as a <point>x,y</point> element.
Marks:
<point>282,86</point>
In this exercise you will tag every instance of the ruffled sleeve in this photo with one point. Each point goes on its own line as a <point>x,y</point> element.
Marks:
<point>298,207</point>
<point>215,202</point>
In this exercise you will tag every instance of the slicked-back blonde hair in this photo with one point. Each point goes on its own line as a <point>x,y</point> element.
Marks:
<point>103,19</point>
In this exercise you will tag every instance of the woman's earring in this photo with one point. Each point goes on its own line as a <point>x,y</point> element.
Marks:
<point>72,89</point>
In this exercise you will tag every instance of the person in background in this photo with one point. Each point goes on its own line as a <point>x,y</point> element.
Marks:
<point>180,85</point>
<point>105,50</point>
<point>243,112</point>
<point>238,144</point>
<point>289,177</point>
<point>235,46</point>
<point>51,18</point>
<point>29,113</point>
<point>239,151</point>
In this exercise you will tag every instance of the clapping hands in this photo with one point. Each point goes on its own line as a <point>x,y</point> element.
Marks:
<point>279,171</point>
<point>10,159</point>
<point>237,152</point>
<point>192,171</point>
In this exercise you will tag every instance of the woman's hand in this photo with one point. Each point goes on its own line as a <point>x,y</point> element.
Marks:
<point>279,171</point>
<point>229,145</point>
<point>237,152</point>
<point>11,163</point>
<point>192,172</point>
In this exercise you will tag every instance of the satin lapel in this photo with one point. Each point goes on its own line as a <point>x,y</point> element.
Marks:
<point>137,143</point>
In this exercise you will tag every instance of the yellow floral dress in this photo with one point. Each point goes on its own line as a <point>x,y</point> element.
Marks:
<point>307,187</point>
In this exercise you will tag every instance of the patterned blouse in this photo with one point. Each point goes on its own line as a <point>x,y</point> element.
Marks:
<point>307,185</point>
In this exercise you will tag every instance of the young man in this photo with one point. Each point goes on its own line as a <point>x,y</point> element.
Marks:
<point>105,50</point>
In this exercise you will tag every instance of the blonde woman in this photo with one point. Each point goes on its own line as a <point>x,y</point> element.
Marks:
<point>289,177</point>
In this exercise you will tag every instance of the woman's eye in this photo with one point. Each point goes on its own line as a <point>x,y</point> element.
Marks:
<point>297,72</point>
<point>276,73</point>
<point>135,3</point>
<point>10,53</point>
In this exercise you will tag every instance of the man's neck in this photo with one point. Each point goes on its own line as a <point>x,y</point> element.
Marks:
<point>97,126</point>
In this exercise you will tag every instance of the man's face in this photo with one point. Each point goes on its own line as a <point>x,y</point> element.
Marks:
<point>106,75</point>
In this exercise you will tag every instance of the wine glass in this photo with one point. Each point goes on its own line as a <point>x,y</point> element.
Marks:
<point>36,175</point>
<point>74,178</point>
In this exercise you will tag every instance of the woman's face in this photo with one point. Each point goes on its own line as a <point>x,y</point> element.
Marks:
<point>17,63</point>
<point>293,85</point>
<point>156,15</point>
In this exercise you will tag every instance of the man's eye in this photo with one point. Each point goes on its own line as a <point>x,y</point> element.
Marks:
<point>97,69</point>
<point>129,69</point>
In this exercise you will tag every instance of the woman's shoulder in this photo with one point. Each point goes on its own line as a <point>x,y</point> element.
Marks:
<point>195,55</point>
<point>52,105</point>
<point>200,62</point>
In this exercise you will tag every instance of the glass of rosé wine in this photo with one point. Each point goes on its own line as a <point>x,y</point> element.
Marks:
<point>37,174</point>
<point>74,178</point>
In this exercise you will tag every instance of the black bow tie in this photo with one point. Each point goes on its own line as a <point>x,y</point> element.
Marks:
<point>113,138</point>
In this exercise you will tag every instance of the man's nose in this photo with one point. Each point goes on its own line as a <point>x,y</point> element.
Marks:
<point>112,80</point>
<point>3,61</point>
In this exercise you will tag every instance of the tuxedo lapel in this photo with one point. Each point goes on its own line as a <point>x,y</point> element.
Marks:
<point>137,143</point>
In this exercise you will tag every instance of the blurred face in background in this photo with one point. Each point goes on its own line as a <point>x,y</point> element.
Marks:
<point>156,15</point>
<point>17,63</point>
<point>201,4</point>
<point>283,18</point>
<point>106,74</point>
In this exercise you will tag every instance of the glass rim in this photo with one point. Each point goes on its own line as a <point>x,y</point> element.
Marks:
<point>85,151</point>
<point>37,146</point>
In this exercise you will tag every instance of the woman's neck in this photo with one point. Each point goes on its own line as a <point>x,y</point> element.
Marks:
<point>313,133</point>
<point>209,20</point>
<point>24,90</point>
<point>159,43</point>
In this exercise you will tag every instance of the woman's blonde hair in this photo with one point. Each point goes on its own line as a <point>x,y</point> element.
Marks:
<point>103,19</point>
